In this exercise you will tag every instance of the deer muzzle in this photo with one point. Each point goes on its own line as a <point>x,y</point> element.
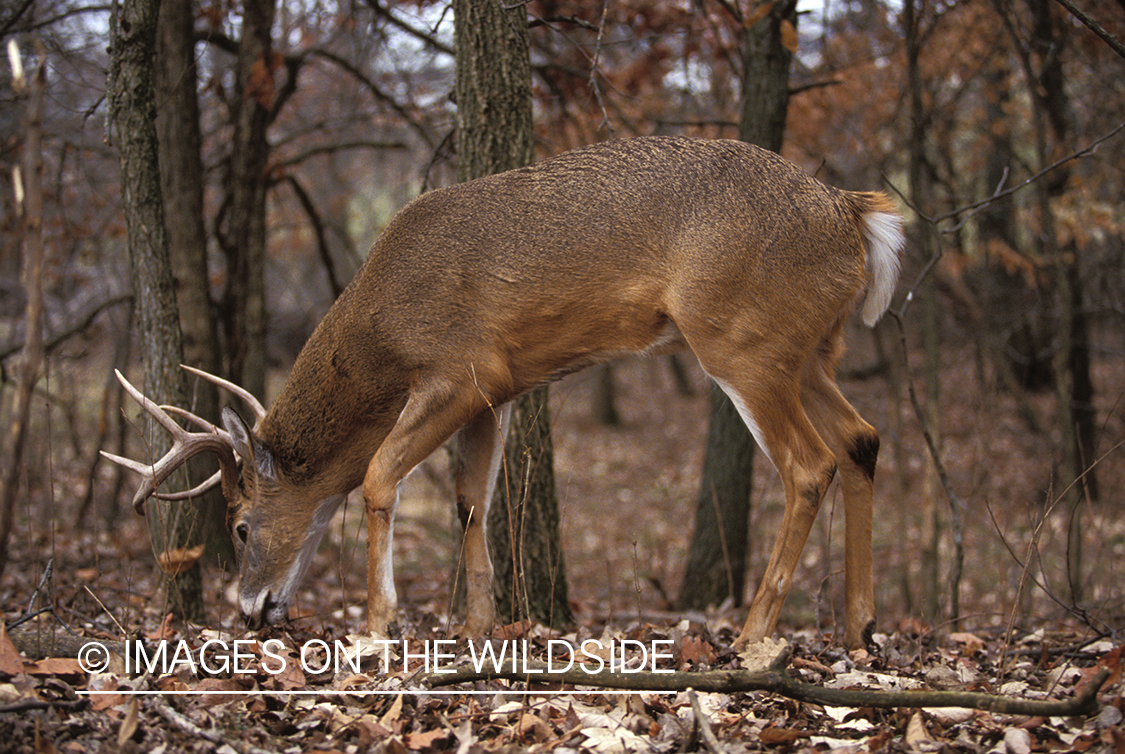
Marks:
<point>261,609</point>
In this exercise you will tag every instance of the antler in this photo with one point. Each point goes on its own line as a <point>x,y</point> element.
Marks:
<point>184,445</point>
<point>240,392</point>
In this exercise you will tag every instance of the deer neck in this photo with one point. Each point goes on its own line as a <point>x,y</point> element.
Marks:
<point>333,413</point>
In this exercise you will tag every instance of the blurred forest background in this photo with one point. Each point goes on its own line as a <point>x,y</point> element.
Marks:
<point>995,123</point>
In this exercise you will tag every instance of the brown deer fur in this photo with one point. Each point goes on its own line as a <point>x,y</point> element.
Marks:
<point>477,293</point>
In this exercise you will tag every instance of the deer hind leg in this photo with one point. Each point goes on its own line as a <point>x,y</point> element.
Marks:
<point>768,399</point>
<point>480,447</point>
<point>431,415</point>
<point>855,444</point>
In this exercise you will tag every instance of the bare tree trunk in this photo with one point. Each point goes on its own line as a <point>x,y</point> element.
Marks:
<point>1041,57</point>
<point>31,356</point>
<point>918,176</point>
<point>494,133</point>
<point>132,107</point>
<point>181,172</point>
<point>717,556</point>
<point>244,237</point>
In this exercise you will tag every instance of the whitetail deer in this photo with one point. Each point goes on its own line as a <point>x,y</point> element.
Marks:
<point>477,293</point>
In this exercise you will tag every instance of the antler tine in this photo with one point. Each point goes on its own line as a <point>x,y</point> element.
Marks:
<point>239,392</point>
<point>195,491</point>
<point>184,445</point>
<point>197,421</point>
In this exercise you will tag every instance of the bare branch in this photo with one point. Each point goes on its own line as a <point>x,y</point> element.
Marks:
<point>318,150</point>
<point>1094,26</point>
<point>78,325</point>
<point>776,681</point>
<point>321,237</point>
<point>7,24</point>
<point>397,22</point>
<point>594,69</point>
<point>376,92</point>
<point>974,208</point>
<point>572,20</point>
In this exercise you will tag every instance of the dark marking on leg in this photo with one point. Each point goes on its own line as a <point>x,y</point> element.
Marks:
<point>868,638</point>
<point>463,512</point>
<point>814,494</point>
<point>864,452</point>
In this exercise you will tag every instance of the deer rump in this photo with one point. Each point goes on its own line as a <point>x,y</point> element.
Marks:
<point>479,292</point>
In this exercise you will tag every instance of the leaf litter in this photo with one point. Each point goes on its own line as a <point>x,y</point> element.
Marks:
<point>385,705</point>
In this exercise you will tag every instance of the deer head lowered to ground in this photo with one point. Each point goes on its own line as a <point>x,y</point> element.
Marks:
<point>479,292</point>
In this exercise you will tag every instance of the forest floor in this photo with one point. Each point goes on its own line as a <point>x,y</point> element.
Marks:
<point>626,498</point>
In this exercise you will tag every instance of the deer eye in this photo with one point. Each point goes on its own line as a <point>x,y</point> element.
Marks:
<point>242,531</point>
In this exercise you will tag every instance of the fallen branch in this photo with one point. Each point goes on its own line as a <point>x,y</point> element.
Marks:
<point>219,737</point>
<point>774,680</point>
<point>27,705</point>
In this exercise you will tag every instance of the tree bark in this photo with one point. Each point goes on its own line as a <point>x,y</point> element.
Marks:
<point>717,556</point>
<point>132,110</point>
<point>494,133</point>
<point>244,237</point>
<point>181,173</point>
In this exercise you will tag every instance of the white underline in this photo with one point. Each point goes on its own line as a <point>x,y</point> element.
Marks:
<point>368,692</point>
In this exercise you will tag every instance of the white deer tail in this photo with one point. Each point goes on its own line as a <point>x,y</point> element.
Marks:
<point>881,226</point>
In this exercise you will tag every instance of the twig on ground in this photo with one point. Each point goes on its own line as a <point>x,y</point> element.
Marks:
<point>162,708</point>
<point>775,680</point>
<point>703,725</point>
<point>71,705</point>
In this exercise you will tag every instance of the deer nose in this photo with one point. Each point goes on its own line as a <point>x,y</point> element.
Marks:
<point>256,609</point>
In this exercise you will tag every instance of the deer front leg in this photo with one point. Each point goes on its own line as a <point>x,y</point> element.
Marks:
<point>382,600</point>
<point>432,414</point>
<point>479,452</point>
<point>803,494</point>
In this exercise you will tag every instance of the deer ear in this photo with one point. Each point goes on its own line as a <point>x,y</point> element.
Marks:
<point>253,452</point>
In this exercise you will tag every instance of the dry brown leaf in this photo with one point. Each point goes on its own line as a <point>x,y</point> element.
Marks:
<point>11,662</point>
<point>391,717</point>
<point>129,724</point>
<point>289,678</point>
<point>512,631</point>
<point>970,643</point>
<point>43,744</point>
<point>54,666</point>
<point>757,15</point>
<point>772,735</point>
<point>916,732</point>
<point>218,684</point>
<point>416,741</point>
<point>261,84</point>
<point>760,654</point>
<point>180,559</point>
<point>1110,660</point>
<point>104,683</point>
<point>371,725</point>
<point>171,683</point>
<point>789,36</point>
<point>880,739</point>
<point>695,650</point>
<point>531,728</point>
